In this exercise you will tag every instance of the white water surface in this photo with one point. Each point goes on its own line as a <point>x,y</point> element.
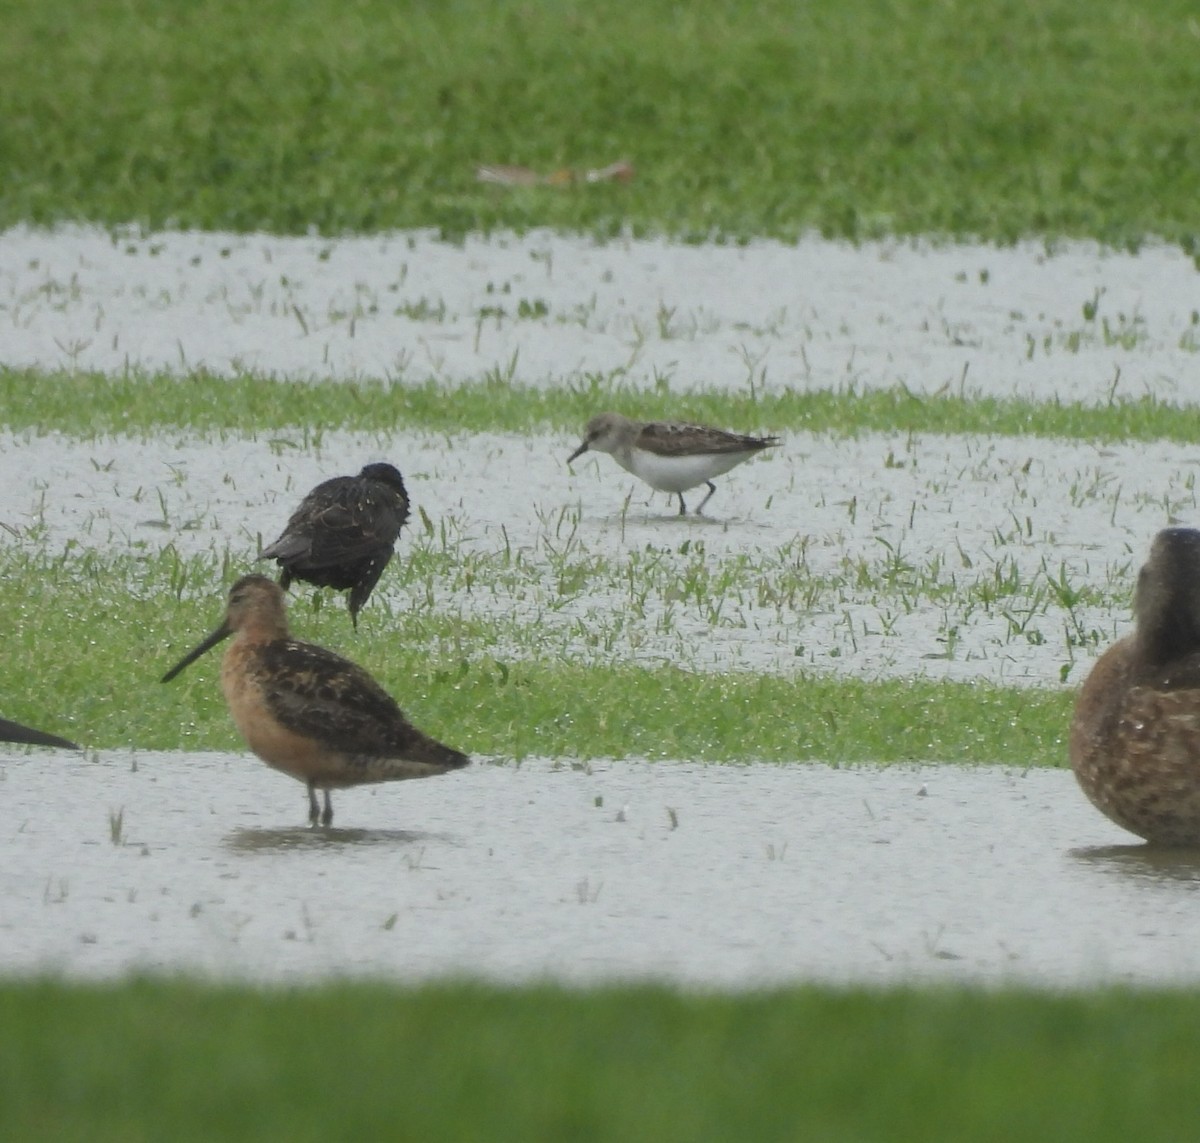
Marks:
<point>711,876</point>
<point>546,308</point>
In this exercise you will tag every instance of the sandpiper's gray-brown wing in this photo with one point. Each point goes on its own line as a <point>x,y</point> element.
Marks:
<point>15,732</point>
<point>341,521</point>
<point>320,695</point>
<point>678,438</point>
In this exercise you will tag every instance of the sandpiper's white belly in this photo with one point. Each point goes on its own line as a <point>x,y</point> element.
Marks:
<point>677,473</point>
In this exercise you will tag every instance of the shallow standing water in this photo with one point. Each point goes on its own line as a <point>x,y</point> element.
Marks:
<point>1068,321</point>
<point>730,876</point>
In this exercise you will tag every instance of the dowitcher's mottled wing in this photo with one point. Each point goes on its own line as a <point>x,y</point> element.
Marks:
<point>322,696</point>
<point>15,732</point>
<point>677,438</point>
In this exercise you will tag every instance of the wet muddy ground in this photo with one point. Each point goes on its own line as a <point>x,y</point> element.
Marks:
<point>729,876</point>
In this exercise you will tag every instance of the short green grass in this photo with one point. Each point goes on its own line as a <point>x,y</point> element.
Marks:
<point>88,640</point>
<point>90,404</point>
<point>994,119</point>
<point>154,1060</point>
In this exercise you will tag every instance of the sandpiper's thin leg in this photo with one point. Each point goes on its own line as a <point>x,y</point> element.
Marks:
<point>682,505</point>
<point>327,816</point>
<point>314,811</point>
<point>711,489</point>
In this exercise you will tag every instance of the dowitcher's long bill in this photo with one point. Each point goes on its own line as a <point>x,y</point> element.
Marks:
<point>1135,738</point>
<point>670,456</point>
<point>307,711</point>
<point>15,732</point>
<point>343,534</point>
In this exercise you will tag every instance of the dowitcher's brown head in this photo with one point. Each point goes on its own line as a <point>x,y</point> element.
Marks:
<point>255,603</point>
<point>1166,601</point>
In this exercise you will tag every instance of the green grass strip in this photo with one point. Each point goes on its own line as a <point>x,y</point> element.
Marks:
<point>90,404</point>
<point>170,1060</point>
<point>88,640</point>
<point>994,119</point>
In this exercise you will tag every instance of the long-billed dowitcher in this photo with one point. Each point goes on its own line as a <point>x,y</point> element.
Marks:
<point>669,456</point>
<point>15,732</point>
<point>307,711</point>
<point>343,534</point>
<point>1135,738</point>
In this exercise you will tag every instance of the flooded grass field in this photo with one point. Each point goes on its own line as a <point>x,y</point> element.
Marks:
<point>1004,559</point>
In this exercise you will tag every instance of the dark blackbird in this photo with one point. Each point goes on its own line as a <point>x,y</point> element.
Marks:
<point>343,533</point>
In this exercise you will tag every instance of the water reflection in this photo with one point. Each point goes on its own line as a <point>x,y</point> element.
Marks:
<point>1159,864</point>
<point>296,839</point>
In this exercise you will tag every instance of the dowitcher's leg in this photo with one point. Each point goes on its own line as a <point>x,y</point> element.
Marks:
<point>314,811</point>
<point>327,816</point>
<point>711,489</point>
<point>682,505</point>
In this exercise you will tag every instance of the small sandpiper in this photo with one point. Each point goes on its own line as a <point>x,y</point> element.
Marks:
<point>343,533</point>
<point>307,711</point>
<point>670,456</point>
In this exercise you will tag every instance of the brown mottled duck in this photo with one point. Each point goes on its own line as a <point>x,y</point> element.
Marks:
<point>1135,738</point>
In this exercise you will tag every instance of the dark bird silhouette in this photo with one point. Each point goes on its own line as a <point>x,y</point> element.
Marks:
<point>1135,738</point>
<point>343,534</point>
<point>307,711</point>
<point>15,732</point>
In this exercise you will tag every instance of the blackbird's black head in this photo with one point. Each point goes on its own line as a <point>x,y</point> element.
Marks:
<point>386,474</point>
